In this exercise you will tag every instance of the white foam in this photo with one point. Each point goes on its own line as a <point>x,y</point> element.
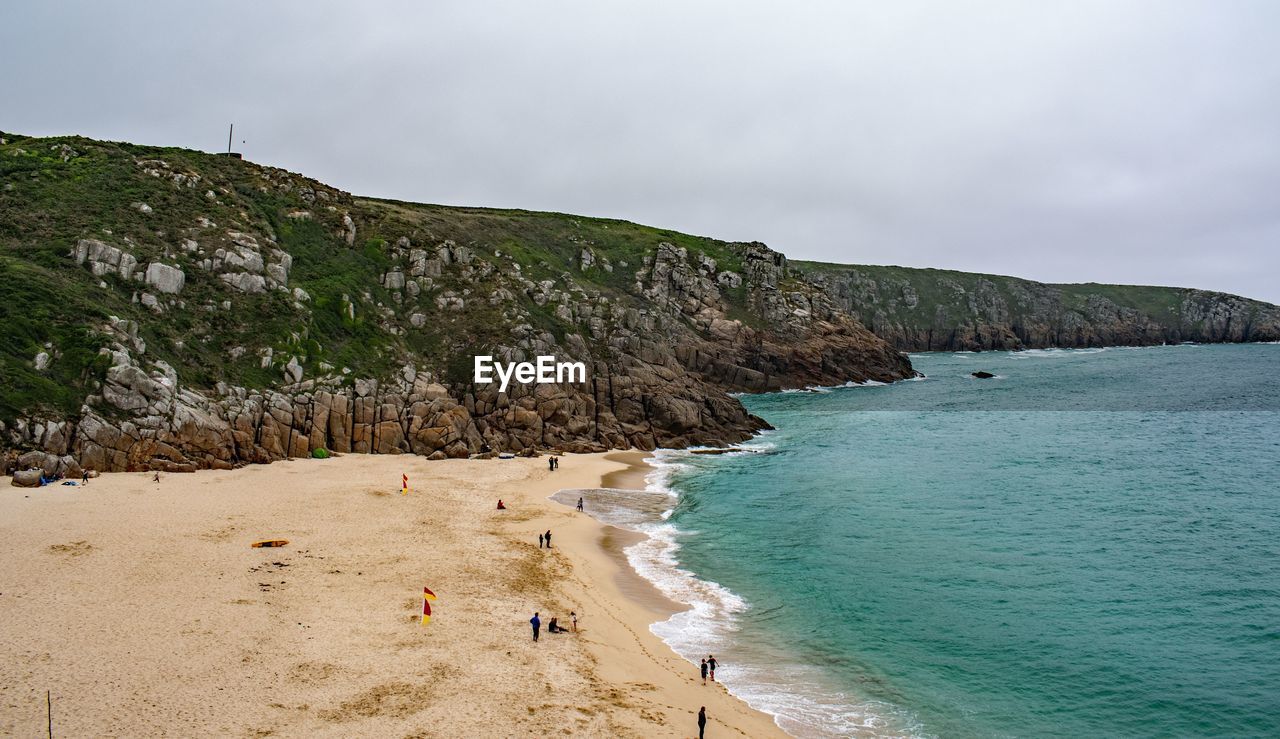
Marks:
<point>1054,353</point>
<point>665,464</point>
<point>830,388</point>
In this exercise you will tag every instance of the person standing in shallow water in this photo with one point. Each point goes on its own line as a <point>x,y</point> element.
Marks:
<point>579,504</point>
<point>711,665</point>
<point>548,538</point>
<point>536,623</point>
<point>702,722</point>
<point>704,671</point>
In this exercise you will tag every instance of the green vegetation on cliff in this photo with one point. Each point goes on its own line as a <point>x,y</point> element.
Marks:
<point>170,309</point>
<point>149,201</point>
<point>931,309</point>
<point>165,304</point>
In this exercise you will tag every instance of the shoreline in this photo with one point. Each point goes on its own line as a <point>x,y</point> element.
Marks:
<point>614,540</point>
<point>633,604</point>
<point>142,608</point>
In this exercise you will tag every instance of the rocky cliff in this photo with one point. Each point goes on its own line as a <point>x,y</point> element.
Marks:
<point>168,309</point>
<point>941,310</point>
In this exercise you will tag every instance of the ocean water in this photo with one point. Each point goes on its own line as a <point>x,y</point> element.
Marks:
<point>1086,545</point>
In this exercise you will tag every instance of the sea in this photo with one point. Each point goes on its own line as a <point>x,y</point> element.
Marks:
<point>1085,544</point>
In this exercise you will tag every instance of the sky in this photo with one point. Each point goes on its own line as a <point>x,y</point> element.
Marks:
<point>1117,141</point>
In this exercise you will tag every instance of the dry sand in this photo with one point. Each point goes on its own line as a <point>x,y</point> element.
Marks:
<point>143,609</point>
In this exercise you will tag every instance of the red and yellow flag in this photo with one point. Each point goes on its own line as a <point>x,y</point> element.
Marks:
<point>427,597</point>
<point>404,484</point>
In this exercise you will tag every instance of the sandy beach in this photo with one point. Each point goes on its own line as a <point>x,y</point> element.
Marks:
<point>143,610</point>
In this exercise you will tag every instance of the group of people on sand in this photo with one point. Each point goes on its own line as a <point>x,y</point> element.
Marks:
<point>59,477</point>
<point>553,626</point>
<point>503,506</point>
<point>708,667</point>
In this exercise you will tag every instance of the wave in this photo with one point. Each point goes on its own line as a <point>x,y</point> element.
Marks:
<point>797,695</point>
<point>1054,352</point>
<point>831,388</point>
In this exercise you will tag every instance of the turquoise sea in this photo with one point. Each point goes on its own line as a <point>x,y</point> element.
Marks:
<point>1087,544</point>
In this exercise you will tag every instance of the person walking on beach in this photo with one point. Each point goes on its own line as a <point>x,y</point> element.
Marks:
<point>548,538</point>
<point>579,504</point>
<point>551,464</point>
<point>573,616</point>
<point>704,671</point>
<point>555,463</point>
<point>702,722</point>
<point>536,623</point>
<point>711,665</point>
<point>539,541</point>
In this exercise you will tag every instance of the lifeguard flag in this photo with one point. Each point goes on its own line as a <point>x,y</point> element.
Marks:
<point>404,484</point>
<point>427,597</point>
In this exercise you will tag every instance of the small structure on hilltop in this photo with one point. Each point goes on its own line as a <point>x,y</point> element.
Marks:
<point>229,152</point>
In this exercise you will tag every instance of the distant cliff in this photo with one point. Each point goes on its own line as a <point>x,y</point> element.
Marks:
<point>175,310</point>
<point>941,310</point>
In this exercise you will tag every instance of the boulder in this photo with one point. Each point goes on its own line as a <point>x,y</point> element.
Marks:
<point>349,229</point>
<point>27,478</point>
<point>982,375</point>
<point>165,278</point>
<point>245,282</point>
<point>293,370</point>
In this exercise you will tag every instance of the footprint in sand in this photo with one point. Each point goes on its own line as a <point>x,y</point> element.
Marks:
<point>74,549</point>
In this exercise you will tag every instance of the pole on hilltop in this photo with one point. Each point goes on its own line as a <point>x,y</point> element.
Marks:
<point>229,132</point>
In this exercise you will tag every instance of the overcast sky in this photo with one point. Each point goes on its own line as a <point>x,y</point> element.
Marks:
<point>1134,142</point>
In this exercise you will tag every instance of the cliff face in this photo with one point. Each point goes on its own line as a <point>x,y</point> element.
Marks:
<point>174,310</point>
<point>169,309</point>
<point>939,310</point>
